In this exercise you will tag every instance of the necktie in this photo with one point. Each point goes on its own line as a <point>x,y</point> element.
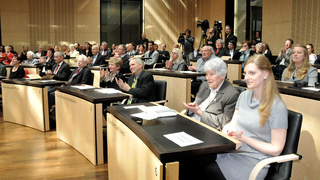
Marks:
<point>70,80</point>
<point>132,86</point>
<point>56,70</point>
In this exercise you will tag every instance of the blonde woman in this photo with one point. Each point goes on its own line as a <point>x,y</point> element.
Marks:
<point>176,61</point>
<point>300,67</point>
<point>260,122</point>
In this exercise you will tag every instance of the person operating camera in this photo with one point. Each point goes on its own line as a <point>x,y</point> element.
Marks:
<point>188,45</point>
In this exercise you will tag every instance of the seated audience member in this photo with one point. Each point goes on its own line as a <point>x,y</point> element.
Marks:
<point>125,58</point>
<point>12,50</point>
<point>229,36</point>
<point>176,61</point>
<point>259,48</point>
<point>260,122</point>
<point>253,47</point>
<point>23,55</point>
<point>6,56</point>
<point>232,51</point>
<point>74,55</point>
<point>131,52</point>
<point>300,68</point>
<point>143,39</point>
<point>87,49</point>
<point>245,51</point>
<point>60,70</point>
<point>104,49</point>
<point>258,37</point>
<point>156,47</point>
<point>151,53</point>
<point>164,55</point>
<point>140,84</point>
<point>64,49</point>
<point>40,52</point>
<point>207,54</point>
<point>56,48</point>
<point>30,59</point>
<point>267,52</point>
<point>219,50</point>
<point>283,59</point>
<point>50,58</point>
<point>1,49</point>
<point>216,99</point>
<point>97,59</point>
<point>107,77</point>
<point>80,75</point>
<point>16,72</point>
<point>142,50</point>
<point>312,55</point>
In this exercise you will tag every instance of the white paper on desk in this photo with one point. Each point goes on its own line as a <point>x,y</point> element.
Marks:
<point>311,88</point>
<point>84,87</point>
<point>182,139</point>
<point>144,115</point>
<point>188,72</point>
<point>50,80</point>
<point>158,111</point>
<point>160,69</point>
<point>108,91</point>
<point>131,107</point>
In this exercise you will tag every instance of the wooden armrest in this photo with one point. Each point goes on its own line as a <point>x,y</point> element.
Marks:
<point>279,159</point>
<point>184,111</point>
<point>155,64</point>
<point>161,101</point>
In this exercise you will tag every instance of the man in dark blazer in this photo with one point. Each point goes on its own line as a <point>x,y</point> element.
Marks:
<point>232,52</point>
<point>122,52</point>
<point>97,58</point>
<point>82,74</point>
<point>60,70</point>
<point>140,84</point>
<point>229,36</point>
<point>216,100</point>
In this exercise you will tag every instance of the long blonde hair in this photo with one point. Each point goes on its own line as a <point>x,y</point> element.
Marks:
<point>269,89</point>
<point>179,59</point>
<point>302,71</point>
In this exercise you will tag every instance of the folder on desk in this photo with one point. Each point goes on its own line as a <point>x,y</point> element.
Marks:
<point>34,76</point>
<point>47,77</point>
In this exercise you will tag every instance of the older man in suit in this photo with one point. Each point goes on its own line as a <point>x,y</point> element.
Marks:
<point>151,53</point>
<point>60,70</point>
<point>140,84</point>
<point>82,74</point>
<point>122,52</point>
<point>216,100</point>
<point>97,59</point>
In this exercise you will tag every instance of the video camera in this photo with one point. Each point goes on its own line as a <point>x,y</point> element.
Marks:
<point>204,24</point>
<point>218,25</point>
<point>181,38</point>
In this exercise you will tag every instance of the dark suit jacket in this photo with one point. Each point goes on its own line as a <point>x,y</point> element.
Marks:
<point>63,72</point>
<point>83,77</point>
<point>125,68</point>
<point>227,39</point>
<point>221,52</point>
<point>236,54</point>
<point>100,60</point>
<point>144,90</point>
<point>112,84</point>
<point>221,109</point>
<point>89,54</point>
<point>213,39</point>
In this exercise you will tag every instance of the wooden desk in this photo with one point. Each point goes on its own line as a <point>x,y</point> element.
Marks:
<point>178,86</point>
<point>234,70</point>
<point>139,150</point>
<point>26,102</point>
<point>307,103</point>
<point>79,118</point>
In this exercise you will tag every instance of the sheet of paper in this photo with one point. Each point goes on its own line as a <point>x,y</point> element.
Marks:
<point>311,88</point>
<point>143,115</point>
<point>160,69</point>
<point>108,91</point>
<point>51,80</point>
<point>84,87</point>
<point>131,107</point>
<point>188,72</point>
<point>183,139</point>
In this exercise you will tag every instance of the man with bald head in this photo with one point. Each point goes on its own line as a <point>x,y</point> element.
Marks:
<point>97,59</point>
<point>143,40</point>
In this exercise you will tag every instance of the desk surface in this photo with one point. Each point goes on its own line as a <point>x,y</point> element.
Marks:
<point>180,74</point>
<point>288,88</point>
<point>163,148</point>
<point>35,83</point>
<point>92,95</point>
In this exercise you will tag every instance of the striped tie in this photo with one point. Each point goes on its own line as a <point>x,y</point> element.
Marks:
<point>132,86</point>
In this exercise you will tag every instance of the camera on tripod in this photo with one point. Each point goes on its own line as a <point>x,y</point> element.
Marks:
<point>218,25</point>
<point>181,38</point>
<point>204,24</point>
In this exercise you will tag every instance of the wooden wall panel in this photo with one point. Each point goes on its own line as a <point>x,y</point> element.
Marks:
<point>46,23</point>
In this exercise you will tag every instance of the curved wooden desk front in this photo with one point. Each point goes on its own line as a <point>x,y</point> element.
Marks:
<point>138,150</point>
<point>26,102</point>
<point>79,118</point>
<point>307,103</point>
<point>178,86</point>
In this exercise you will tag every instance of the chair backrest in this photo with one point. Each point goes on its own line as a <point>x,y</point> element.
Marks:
<point>240,89</point>
<point>283,170</point>
<point>160,88</point>
<point>91,78</point>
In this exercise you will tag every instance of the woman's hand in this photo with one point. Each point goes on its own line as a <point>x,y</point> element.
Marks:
<point>193,107</point>
<point>102,73</point>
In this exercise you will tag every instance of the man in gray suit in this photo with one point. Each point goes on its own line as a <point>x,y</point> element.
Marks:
<point>216,100</point>
<point>151,53</point>
<point>283,59</point>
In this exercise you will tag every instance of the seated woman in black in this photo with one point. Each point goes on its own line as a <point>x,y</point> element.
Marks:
<point>16,72</point>
<point>107,78</point>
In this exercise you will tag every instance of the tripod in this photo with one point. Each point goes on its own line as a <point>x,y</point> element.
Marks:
<point>202,41</point>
